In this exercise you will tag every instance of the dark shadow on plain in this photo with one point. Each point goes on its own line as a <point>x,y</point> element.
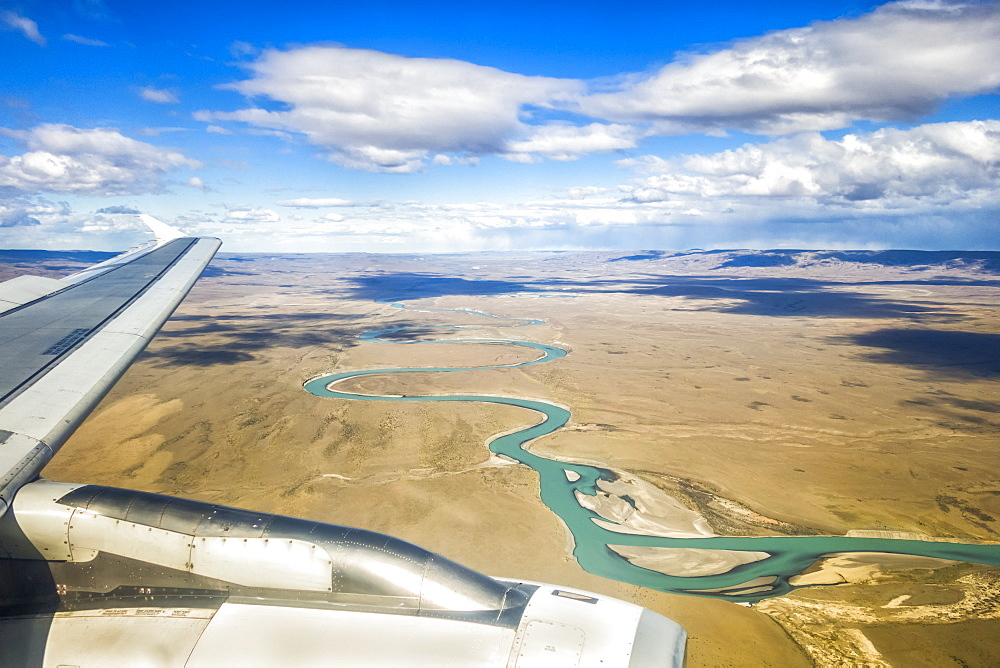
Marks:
<point>411,334</point>
<point>954,412</point>
<point>981,406</point>
<point>191,356</point>
<point>212,271</point>
<point>238,338</point>
<point>768,259</point>
<point>418,285</point>
<point>942,353</point>
<point>643,255</point>
<point>777,297</point>
<point>782,297</point>
<point>270,316</point>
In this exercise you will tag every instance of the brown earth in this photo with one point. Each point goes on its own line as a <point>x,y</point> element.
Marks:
<point>799,398</point>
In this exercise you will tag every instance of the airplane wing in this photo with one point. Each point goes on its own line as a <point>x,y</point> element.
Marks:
<point>65,342</point>
<point>100,576</point>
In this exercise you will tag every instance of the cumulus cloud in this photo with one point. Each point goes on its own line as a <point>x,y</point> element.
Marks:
<point>33,221</point>
<point>583,192</point>
<point>158,95</point>
<point>562,141</point>
<point>923,187</point>
<point>382,112</point>
<point>16,217</point>
<point>895,63</point>
<point>99,161</point>
<point>316,203</point>
<point>251,215</point>
<point>940,164</point>
<point>27,27</point>
<point>377,159</point>
<point>156,132</point>
<point>376,111</point>
<point>69,37</point>
<point>118,208</point>
<point>195,182</point>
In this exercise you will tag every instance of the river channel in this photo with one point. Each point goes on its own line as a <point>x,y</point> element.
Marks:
<point>561,482</point>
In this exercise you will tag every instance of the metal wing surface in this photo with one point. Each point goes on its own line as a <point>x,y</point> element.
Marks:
<point>65,342</point>
<point>101,576</point>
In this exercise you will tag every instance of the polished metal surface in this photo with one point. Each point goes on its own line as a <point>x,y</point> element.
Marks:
<point>109,566</point>
<point>35,336</point>
<point>242,553</point>
<point>61,353</point>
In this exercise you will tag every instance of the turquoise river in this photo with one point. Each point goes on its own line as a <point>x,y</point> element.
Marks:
<point>789,555</point>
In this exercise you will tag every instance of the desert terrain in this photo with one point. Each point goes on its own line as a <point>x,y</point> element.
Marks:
<point>771,393</point>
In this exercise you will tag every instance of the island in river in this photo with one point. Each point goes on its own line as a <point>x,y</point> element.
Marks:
<point>735,393</point>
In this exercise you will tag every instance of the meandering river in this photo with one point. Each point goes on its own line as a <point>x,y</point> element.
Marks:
<point>561,482</point>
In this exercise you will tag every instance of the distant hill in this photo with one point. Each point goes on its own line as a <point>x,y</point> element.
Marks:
<point>860,265</point>
<point>914,260</point>
<point>983,260</point>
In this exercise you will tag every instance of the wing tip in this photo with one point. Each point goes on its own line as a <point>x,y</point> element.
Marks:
<point>161,230</point>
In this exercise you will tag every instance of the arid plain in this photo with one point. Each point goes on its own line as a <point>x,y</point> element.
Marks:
<point>774,393</point>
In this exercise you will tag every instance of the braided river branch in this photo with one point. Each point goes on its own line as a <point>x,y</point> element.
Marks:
<point>742,569</point>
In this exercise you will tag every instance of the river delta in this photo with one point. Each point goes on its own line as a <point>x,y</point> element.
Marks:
<point>802,411</point>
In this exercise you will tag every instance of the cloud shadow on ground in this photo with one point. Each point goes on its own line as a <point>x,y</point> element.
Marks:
<point>237,338</point>
<point>942,353</point>
<point>777,297</point>
<point>419,285</point>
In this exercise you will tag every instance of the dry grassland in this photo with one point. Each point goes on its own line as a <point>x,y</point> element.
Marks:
<point>794,399</point>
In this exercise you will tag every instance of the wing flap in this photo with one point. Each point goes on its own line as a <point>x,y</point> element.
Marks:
<point>23,289</point>
<point>21,457</point>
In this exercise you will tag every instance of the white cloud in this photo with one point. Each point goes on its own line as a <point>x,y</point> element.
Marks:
<point>119,208</point>
<point>250,215</point>
<point>383,112</point>
<point>936,165</point>
<point>316,203</point>
<point>69,37</point>
<point>376,159</point>
<point>156,132</point>
<point>15,214</point>
<point>567,142</point>
<point>584,192</point>
<point>32,221</point>
<point>160,96</point>
<point>27,27</point>
<point>895,63</point>
<point>242,49</point>
<point>99,161</point>
<point>218,130</point>
<point>195,182</point>
<point>444,159</point>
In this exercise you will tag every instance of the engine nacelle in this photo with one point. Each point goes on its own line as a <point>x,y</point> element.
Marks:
<point>110,576</point>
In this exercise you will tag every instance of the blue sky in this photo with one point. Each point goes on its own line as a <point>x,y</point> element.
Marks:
<point>446,126</point>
